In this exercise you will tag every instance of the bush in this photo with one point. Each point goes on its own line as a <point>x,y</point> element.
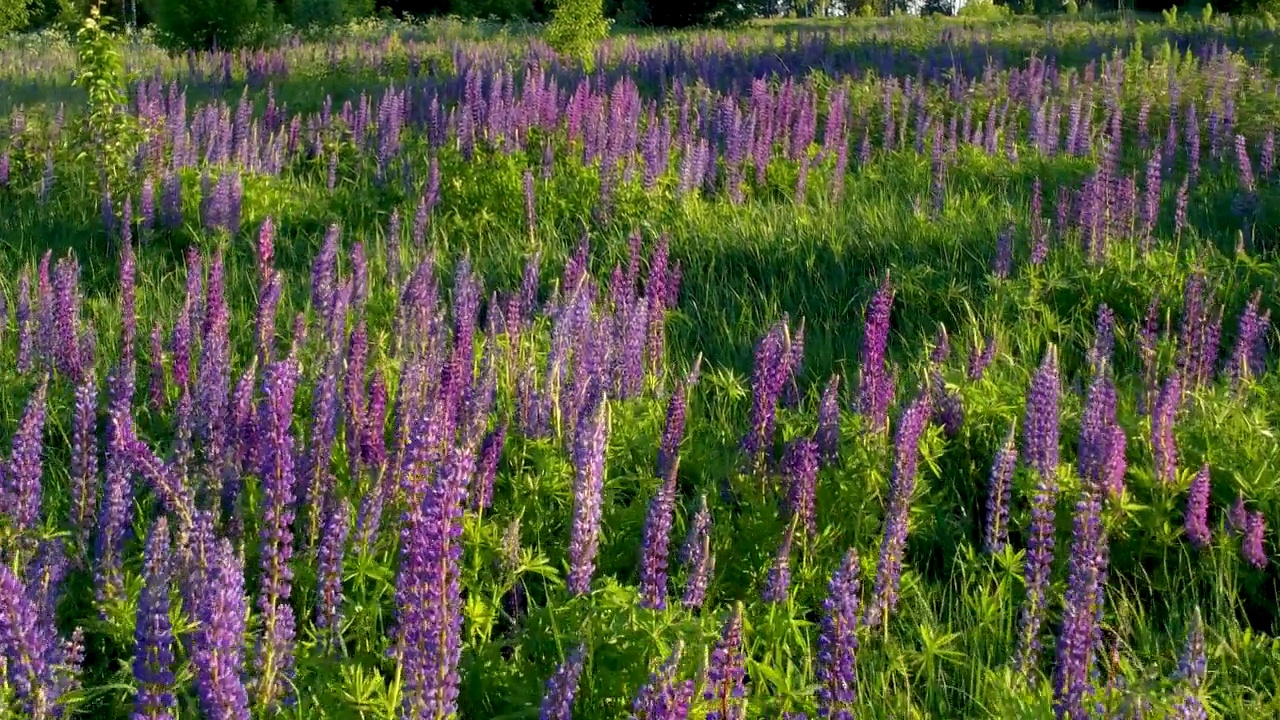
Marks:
<point>495,9</point>
<point>312,13</point>
<point>205,24</point>
<point>13,15</point>
<point>576,26</point>
<point>984,10</point>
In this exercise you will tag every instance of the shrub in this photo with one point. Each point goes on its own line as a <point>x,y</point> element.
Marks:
<point>13,15</point>
<point>984,10</point>
<point>205,24</point>
<point>495,9</point>
<point>576,26</point>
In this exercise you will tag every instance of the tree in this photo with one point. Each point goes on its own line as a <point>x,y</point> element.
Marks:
<point>13,15</point>
<point>205,24</point>
<point>576,27</point>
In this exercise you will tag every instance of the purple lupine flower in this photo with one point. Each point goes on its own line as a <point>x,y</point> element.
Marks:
<point>128,301</point>
<point>1193,662</point>
<point>875,390</point>
<point>324,272</point>
<point>153,659</point>
<point>275,652</point>
<point>26,324</point>
<point>266,249</point>
<point>1098,437</point>
<point>1196,520</point>
<point>980,357</point>
<point>902,481</point>
<point>1082,609</point>
<point>30,648</point>
<point>1039,234</point>
<point>1040,428</point>
<point>656,540</point>
<point>725,688</point>
<point>1252,331</point>
<point>1104,338</point>
<point>45,575</point>
<point>1246,167</point>
<point>268,303</point>
<point>218,644</point>
<point>171,201</point>
<point>212,383</point>
<point>838,641</point>
<point>84,459</point>
<point>828,435</point>
<point>359,276</point>
<point>117,493</point>
<point>673,431</point>
<point>767,378</point>
<point>588,494</point>
<point>22,485</point>
<point>1163,418</point>
<point>333,544</point>
<point>429,596</point>
<point>664,697</point>
<point>778,583</point>
<point>557,703</point>
<point>65,347</point>
<point>698,558</point>
<point>800,473</point>
<point>107,209</point>
<point>490,456</point>
<point>1253,547</point>
<point>147,208</point>
<point>1002,264</point>
<point>997,526</point>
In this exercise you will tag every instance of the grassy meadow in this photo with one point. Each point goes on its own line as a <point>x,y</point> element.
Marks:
<point>882,368</point>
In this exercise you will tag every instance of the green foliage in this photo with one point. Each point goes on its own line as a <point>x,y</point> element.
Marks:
<point>1170,16</point>
<point>1206,14</point>
<point>13,15</point>
<point>205,24</point>
<point>985,10</point>
<point>327,13</point>
<point>1070,7</point>
<point>494,9</point>
<point>576,27</point>
<point>110,131</point>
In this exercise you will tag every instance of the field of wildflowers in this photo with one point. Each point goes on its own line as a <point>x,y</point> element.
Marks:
<point>892,368</point>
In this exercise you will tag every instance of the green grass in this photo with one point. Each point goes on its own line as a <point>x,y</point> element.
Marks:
<point>948,649</point>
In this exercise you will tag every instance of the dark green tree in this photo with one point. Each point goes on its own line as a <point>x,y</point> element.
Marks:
<point>204,24</point>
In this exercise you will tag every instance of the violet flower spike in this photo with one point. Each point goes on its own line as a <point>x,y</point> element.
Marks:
<point>778,583</point>
<point>1196,519</point>
<point>588,501</point>
<point>153,661</point>
<point>998,496</point>
<point>557,703</point>
<point>698,558</point>
<point>217,647</point>
<point>656,541</point>
<point>884,596</point>
<point>329,558</point>
<point>726,673</point>
<point>838,641</point>
<point>1253,546</point>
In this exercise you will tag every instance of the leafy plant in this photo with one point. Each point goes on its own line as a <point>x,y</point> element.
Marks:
<point>205,24</point>
<point>13,15</point>
<point>576,27</point>
<point>110,130</point>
